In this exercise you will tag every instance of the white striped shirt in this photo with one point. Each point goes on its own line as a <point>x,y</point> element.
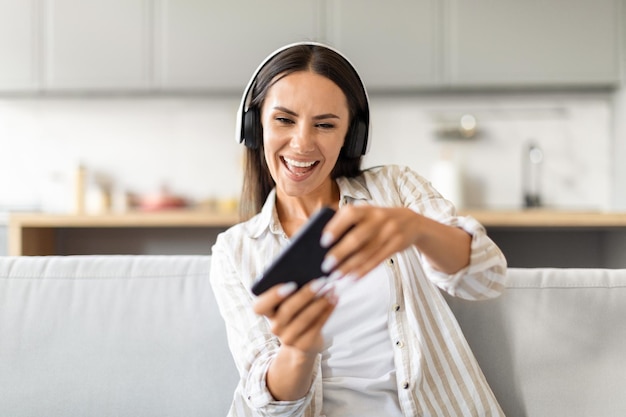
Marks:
<point>437,375</point>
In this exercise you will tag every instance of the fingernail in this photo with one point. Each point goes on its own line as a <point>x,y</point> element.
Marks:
<point>352,277</point>
<point>318,284</point>
<point>335,276</point>
<point>326,240</point>
<point>332,297</point>
<point>287,289</point>
<point>329,263</point>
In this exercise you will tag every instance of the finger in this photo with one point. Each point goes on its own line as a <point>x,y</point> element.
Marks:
<point>290,307</point>
<point>305,328</point>
<point>358,264</point>
<point>339,224</point>
<point>289,310</point>
<point>267,303</point>
<point>311,338</point>
<point>362,234</point>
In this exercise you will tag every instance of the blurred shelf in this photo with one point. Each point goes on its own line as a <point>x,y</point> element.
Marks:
<point>34,233</point>
<point>546,218</point>
<point>169,218</point>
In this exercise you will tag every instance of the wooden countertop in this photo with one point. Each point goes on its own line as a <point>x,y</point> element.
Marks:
<point>546,218</point>
<point>201,218</point>
<point>170,218</point>
<point>34,233</point>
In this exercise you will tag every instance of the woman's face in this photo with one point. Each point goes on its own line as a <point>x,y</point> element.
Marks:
<point>305,119</point>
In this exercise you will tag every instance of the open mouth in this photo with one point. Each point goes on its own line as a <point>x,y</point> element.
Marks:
<point>298,167</point>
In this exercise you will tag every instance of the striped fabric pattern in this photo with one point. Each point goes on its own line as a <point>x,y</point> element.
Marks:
<point>436,371</point>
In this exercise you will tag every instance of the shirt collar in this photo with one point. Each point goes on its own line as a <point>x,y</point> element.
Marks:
<point>350,190</point>
<point>353,189</point>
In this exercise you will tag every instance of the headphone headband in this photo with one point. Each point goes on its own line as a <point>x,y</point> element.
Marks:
<point>245,132</point>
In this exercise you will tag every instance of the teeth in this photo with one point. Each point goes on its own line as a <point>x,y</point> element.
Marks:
<point>299,164</point>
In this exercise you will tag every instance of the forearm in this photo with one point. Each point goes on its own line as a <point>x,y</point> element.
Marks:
<point>447,248</point>
<point>290,375</point>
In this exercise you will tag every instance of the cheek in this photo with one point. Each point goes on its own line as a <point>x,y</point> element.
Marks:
<point>270,149</point>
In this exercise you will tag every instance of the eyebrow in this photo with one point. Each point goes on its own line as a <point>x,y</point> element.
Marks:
<point>318,117</point>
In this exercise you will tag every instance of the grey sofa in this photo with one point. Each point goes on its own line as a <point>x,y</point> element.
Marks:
<point>141,336</point>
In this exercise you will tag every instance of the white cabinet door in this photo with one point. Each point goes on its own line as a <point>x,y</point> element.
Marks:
<point>217,45</point>
<point>532,42</point>
<point>97,44</point>
<point>394,44</point>
<point>19,63</point>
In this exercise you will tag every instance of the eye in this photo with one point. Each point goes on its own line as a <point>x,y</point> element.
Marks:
<point>325,125</point>
<point>283,120</point>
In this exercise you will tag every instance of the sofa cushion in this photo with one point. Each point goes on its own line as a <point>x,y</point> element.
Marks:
<point>111,336</point>
<point>554,343</point>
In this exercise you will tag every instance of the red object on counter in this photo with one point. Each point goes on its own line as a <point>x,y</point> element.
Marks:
<point>161,201</point>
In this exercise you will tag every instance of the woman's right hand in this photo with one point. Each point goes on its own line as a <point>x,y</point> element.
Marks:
<point>297,317</point>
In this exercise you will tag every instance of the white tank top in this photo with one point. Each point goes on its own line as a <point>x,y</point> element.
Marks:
<point>358,371</point>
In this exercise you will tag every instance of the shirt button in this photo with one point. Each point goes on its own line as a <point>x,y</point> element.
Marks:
<point>390,261</point>
<point>396,307</point>
<point>405,385</point>
<point>400,344</point>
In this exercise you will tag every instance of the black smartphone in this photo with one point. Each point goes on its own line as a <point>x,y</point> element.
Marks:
<point>301,260</point>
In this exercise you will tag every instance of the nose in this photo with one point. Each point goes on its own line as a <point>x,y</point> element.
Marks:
<point>302,139</point>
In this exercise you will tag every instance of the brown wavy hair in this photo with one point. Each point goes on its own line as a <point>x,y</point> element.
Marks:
<point>257,181</point>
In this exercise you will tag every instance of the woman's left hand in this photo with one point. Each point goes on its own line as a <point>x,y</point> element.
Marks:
<point>373,234</point>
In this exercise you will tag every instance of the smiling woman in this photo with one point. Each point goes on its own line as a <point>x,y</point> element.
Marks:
<point>325,62</point>
<point>305,119</point>
<point>374,336</point>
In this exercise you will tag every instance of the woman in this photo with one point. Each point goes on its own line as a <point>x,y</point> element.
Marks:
<point>380,340</point>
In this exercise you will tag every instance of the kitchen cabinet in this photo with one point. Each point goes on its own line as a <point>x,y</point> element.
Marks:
<point>97,45</point>
<point>397,45</point>
<point>554,43</point>
<point>19,45</point>
<point>393,44</point>
<point>455,44</point>
<point>216,46</point>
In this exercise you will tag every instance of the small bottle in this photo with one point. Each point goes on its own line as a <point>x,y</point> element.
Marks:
<point>79,189</point>
<point>533,161</point>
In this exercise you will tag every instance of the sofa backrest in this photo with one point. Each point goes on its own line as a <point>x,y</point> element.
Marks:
<point>111,336</point>
<point>142,336</point>
<point>554,344</point>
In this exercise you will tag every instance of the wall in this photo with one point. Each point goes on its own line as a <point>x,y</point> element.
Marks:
<point>187,144</point>
<point>141,144</point>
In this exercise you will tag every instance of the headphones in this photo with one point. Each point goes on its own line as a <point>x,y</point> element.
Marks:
<point>250,131</point>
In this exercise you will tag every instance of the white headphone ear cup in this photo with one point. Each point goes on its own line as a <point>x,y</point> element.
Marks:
<point>251,128</point>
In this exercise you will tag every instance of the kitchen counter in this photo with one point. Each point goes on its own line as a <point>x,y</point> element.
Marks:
<point>35,233</point>
<point>546,218</point>
<point>170,218</point>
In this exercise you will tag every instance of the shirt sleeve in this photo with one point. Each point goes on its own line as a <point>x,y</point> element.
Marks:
<point>251,342</point>
<point>485,275</point>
